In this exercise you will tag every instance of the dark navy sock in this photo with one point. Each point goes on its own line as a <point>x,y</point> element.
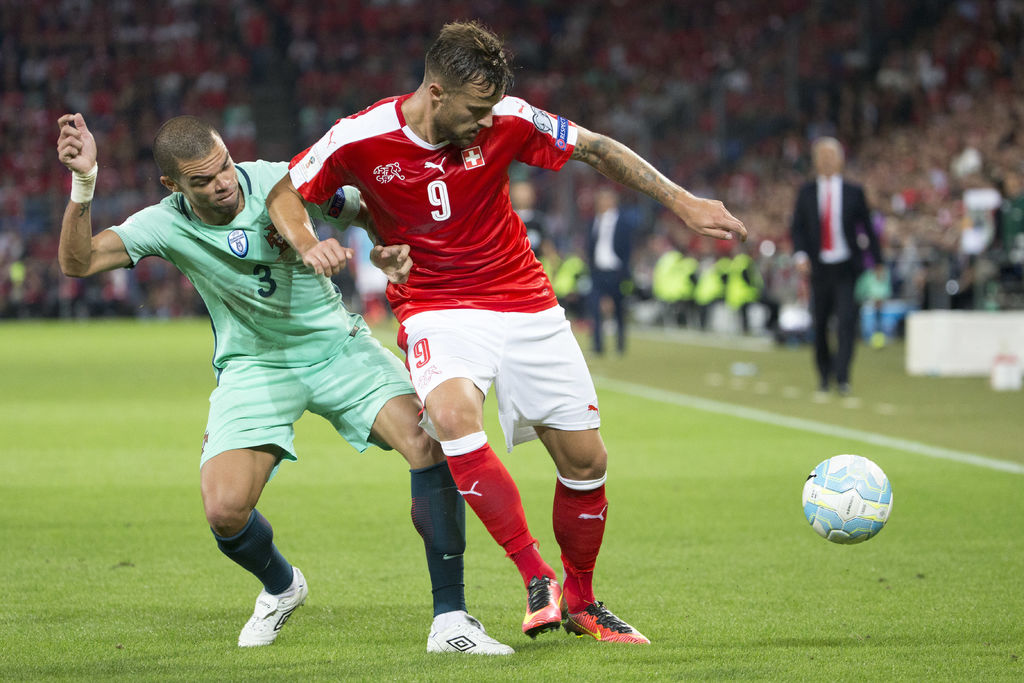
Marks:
<point>439,515</point>
<point>253,549</point>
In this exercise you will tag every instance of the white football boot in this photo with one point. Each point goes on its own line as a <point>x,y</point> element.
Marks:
<point>460,632</point>
<point>272,611</point>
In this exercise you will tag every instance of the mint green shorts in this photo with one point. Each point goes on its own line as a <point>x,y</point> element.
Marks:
<point>254,405</point>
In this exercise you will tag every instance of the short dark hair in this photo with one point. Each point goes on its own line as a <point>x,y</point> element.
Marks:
<point>467,52</point>
<point>182,138</point>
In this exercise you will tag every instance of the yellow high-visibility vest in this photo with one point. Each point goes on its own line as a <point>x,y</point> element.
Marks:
<point>737,290</point>
<point>674,277</point>
<point>711,283</point>
<point>567,275</point>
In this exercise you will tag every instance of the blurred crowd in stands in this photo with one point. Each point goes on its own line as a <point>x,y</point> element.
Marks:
<point>724,97</point>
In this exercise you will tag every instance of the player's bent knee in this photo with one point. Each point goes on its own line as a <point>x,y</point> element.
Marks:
<point>225,516</point>
<point>398,426</point>
<point>419,449</point>
<point>578,455</point>
<point>455,421</point>
<point>591,472</point>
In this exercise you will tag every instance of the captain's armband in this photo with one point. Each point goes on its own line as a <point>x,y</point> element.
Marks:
<point>342,208</point>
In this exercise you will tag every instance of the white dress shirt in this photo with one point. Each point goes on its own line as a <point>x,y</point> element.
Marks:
<point>840,250</point>
<point>605,257</point>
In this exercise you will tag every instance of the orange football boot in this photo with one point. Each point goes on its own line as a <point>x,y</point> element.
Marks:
<point>598,622</point>
<point>542,606</point>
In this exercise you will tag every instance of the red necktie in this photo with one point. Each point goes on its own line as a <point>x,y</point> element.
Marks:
<point>826,219</point>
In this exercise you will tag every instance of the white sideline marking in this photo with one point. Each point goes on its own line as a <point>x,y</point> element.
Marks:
<point>791,392</point>
<point>642,391</point>
<point>711,340</point>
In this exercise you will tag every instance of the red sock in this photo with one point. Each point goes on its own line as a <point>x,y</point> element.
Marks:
<point>488,488</point>
<point>579,519</point>
<point>530,564</point>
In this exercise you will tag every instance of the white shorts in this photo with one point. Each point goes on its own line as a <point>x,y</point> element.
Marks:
<point>533,360</point>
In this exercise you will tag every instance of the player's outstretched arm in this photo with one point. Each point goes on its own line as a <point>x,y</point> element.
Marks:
<point>614,160</point>
<point>288,213</point>
<point>79,252</point>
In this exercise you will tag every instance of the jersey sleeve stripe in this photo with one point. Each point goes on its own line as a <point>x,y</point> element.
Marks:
<point>514,106</point>
<point>377,121</point>
<point>560,128</point>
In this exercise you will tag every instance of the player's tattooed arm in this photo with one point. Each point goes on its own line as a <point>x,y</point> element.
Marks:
<point>614,160</point>
<point>79,252</point>
<point>618,162</point>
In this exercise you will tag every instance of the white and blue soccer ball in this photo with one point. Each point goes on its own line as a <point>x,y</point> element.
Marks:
<point>847,499</point>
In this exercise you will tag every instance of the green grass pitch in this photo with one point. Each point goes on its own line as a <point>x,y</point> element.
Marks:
<point>109,570</point>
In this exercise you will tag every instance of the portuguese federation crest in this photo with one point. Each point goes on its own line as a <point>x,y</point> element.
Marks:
<point>238,242</point>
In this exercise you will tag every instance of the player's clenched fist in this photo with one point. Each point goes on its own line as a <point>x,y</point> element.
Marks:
<point>76,147</point>
<point>393,260</point>
<point>327,257</point>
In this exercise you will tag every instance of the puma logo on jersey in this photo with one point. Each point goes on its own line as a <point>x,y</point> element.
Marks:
<point>591,406</point>
<point>472,490</point>
<point>584,515</point>
<point>387,172</point>
<point>439,167</point>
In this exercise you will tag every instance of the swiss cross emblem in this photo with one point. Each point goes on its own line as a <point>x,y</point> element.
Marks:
<point>472,158</point>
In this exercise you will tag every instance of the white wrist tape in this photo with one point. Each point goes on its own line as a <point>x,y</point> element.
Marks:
<point>83,185</point>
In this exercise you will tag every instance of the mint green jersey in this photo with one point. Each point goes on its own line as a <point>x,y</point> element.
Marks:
<point>267,308</point>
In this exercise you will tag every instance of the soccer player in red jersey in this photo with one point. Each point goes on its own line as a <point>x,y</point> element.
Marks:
<point>475,306</point>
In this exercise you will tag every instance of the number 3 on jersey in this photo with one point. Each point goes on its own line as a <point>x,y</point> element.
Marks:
<point>269,283</point>
<point>437,193</point>
<point>421,352</point>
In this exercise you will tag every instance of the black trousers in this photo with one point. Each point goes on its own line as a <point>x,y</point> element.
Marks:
<point>832,295</point>
<point>608,284</point>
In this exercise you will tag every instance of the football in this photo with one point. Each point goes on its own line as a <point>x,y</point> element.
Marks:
<point>847,499</point>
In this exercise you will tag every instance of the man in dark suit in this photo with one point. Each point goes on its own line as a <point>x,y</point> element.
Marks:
<point>609,249</point>
<point>829,216</point>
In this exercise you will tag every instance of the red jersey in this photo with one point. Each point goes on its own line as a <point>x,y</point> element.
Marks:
<point>450,205</point>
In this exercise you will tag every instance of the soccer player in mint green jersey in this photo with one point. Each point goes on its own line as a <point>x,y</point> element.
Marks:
<point>284,344</point>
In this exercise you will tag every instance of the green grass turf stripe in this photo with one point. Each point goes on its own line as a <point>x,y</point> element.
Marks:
<point>708,405</point>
